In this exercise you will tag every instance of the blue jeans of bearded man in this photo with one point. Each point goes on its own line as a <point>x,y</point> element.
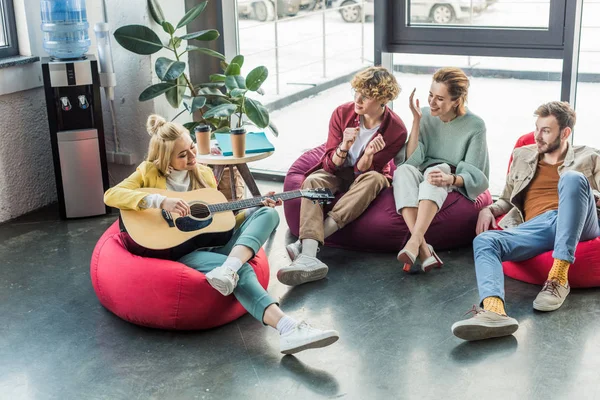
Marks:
<point>253,233</point>
<point>575,220</point>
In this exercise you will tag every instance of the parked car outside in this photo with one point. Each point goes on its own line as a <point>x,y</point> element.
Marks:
<point>420,10</point>
<point>264,10</point>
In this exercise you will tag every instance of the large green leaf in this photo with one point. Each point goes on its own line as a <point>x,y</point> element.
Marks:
<point>210,92</point>
<point>239,60</point>
<point>233,69</point>
<point>138,39</point>
<point>217,78</point>
<point>156,90</point>
<point>168,70</point>
<point>256,77</point>
<point>205,36</point>
<point>221,111</point>
<point>206,51</point>
<point>223,129</point>
<point>210,84</point>
<point>175,95</point>
<point>192,14</point>
<point>235,81</point>
<point>156,12</point>
<point>238,92</point>
<point>190,127</point>
<point>197,103</point>
<point>167,27</point>
<point>257,113</point>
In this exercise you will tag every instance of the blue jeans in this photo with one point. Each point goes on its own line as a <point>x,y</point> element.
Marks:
<point>574,221</point>
<point>253,233</point>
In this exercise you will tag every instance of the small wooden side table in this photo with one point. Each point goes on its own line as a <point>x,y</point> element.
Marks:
<point>219,163</point>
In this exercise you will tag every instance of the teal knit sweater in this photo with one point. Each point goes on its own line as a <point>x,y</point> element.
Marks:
<point>460,142</point>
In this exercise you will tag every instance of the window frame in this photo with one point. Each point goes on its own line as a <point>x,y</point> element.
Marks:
<point>12,48</point>
<point>456,40</point>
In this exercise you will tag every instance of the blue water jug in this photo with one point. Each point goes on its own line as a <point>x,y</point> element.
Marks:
<point>65,28</point>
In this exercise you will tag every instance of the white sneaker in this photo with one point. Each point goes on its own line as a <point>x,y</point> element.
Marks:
<point>294,249</point>
<point>223,279</point>
<point>303,269</point>
<point>304,337</point>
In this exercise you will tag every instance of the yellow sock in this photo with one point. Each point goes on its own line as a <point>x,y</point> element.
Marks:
<point>494,304</point>
<point>560,271</point>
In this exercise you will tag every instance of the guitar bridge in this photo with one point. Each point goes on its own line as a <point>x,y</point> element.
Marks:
<point>168,217</point>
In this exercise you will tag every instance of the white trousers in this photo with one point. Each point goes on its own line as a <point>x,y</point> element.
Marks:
<point>411,186</point>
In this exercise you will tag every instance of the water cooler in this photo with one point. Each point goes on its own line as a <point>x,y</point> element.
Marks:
<point>72,90</point>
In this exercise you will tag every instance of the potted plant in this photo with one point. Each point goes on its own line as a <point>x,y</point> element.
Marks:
<point>218,101</point>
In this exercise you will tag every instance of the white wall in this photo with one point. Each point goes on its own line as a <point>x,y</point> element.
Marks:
<point>26,170</point>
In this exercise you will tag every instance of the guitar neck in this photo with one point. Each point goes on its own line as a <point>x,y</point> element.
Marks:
<point>253,202</point>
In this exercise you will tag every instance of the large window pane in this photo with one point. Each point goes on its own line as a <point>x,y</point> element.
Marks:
<point>588,87</point>
<point>484,13</point>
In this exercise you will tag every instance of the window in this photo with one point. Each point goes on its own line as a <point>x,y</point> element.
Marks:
<point>8,30</point>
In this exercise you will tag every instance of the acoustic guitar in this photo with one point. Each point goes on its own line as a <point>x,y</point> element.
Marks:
<point>210,223</point>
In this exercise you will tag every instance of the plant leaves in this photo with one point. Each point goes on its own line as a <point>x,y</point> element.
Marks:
<point>210,84</point>
<point>210,92</point>
<point>175,42</point>
<point>138,39</point>
<point>224,129</point>
<point>257,113</point>
<point>235,81</point>
<point>155,90</point>
<point>217,78</point>
<point>197,103</point>
<point>238,92</point>
<point>256,77</point>
<point>221,111</point>
<point>205,36</point>
<point>206,51</point>
<point>239,60</point>
<point>156,12</point>
<point>167,27</point>
<point>168,70</point>
<point>232,69</point>
<point>191,125</point>
<point>175,95</point>
<point>192,14</point>
<point>224,65</point>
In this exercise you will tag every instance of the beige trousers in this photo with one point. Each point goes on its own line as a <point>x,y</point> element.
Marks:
<point>360,192</point>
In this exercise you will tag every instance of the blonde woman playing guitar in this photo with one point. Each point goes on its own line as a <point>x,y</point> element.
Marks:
<point>171,164</point>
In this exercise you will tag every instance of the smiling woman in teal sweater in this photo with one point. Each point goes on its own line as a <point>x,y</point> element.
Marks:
<point>446,151</point>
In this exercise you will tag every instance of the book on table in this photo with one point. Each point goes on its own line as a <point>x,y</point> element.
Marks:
<point>256,142</point>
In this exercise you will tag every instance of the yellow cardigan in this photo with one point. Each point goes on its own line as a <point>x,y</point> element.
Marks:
<point>124,196</point>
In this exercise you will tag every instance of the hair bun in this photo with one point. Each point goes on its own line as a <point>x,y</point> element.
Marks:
<point>154,123</point>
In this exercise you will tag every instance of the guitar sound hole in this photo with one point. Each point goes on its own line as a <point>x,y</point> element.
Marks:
<point>199,211</point>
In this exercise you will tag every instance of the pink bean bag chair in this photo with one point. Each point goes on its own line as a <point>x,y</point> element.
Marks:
<point>160,293</point>
<point>380,228</point>
<point>585,272</point>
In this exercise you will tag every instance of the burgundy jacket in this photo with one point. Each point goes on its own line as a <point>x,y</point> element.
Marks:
<point>392,130</point>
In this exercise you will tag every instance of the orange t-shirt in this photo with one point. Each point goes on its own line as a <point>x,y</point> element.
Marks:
<point>542,194</point>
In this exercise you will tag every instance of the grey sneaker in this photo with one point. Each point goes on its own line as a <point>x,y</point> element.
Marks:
<point>303,269</point>
<point>484,325</point>
<point>552,296</point>
<point>294,249</point>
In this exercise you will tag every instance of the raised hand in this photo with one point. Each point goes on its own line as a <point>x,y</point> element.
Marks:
<point>375,145</point>
<point>414,107</point>
<point>173,204</point>
<point>349,138</point>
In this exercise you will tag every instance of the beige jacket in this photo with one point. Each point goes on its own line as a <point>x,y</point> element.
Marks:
<point>522,170</point>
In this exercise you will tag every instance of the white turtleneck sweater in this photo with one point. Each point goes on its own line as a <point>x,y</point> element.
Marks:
<point>177,181</point>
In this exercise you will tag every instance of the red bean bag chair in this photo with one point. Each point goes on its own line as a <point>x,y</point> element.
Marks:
<point>380,228</point>
<point>160,293</point>
<point>585,272</point>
